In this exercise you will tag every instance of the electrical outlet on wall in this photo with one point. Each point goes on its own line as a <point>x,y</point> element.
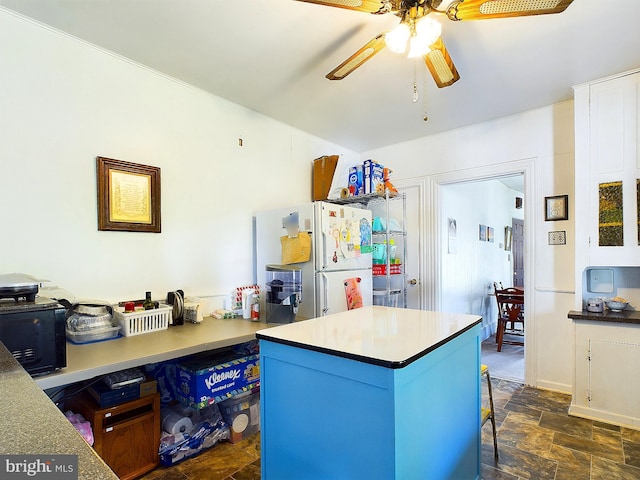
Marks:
<point>558,237</point>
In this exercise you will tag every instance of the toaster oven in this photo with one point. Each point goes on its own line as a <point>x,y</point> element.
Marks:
<point>34,333</point>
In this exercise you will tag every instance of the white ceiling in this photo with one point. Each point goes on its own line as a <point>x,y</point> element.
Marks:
<point>272,55</point>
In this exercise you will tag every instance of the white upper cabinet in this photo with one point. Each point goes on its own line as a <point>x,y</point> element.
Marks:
<point>607,163</point>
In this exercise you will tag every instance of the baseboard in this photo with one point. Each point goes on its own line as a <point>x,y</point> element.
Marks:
<point>554,387</point>
<point>603,416</point>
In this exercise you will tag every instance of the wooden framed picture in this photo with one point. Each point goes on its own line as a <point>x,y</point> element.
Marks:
<point>556,208</point>
<point>128,196</point>
<point>508,232</point>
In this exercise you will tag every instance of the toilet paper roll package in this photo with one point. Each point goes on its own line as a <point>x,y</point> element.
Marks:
<point>174,423</point>
<point>210,430</point>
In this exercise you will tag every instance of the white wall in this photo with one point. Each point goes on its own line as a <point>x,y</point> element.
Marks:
<point>545,136</point>
<point>469,270</point>
<point>64,102</point>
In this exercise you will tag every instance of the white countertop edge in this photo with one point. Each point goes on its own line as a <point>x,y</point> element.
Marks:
<point>193,336</point>
<point>386,336</point>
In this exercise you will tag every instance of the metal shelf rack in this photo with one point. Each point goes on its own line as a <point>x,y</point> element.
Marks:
<point>394,275</point>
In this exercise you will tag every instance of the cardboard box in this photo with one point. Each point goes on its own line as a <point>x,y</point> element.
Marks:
<point>148,387</point>
<point>373,177</point>
<point>216,377</point>
<point>356,181</point>
<point>323,170</point>
<point>242,414</point>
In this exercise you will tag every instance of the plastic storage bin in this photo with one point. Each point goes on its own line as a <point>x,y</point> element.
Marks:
<point>394,298</point>
<point>145,321</point>
<point>380,297</point>
<point>242,414</point>
<point>381,269</point>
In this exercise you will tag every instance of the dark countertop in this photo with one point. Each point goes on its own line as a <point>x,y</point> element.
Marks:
<point>625,316</point>
<point>32,425</point>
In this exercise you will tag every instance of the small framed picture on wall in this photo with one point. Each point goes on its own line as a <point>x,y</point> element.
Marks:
<point>556,208</point>
<point>482,234</point>
<point>507,238</point>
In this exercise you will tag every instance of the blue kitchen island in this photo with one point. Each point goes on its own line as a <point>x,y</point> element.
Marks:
<point>373,393</point>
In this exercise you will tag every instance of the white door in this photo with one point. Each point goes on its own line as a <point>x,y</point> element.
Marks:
<point>415,255</point>
<point>331,295</point>
<point>341,231</point>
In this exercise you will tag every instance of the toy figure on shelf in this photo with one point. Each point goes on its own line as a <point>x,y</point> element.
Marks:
<point>387,183</point>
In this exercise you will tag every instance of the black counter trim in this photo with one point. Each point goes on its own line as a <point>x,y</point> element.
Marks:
<point>363,358</point>
<point>626,316</point>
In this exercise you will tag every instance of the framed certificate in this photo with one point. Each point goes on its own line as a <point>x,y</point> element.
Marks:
<point>128,196</point>
<point>556,208</point>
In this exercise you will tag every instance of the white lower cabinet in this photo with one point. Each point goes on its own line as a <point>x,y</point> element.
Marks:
<point>607,380</point>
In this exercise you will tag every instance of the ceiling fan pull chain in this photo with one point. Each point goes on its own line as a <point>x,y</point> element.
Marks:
<point>424,89</point>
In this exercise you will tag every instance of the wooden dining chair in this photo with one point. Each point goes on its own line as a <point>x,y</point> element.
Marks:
<point>510,316</point>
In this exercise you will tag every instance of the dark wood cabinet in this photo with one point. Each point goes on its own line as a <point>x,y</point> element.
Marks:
<point>126,436</point>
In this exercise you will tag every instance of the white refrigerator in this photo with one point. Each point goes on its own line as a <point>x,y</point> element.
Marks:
<point>339,256</point>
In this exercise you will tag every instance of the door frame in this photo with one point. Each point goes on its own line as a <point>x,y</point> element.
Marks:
<point>433,273</point>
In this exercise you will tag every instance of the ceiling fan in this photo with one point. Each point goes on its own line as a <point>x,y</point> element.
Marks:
<point>419,34</point>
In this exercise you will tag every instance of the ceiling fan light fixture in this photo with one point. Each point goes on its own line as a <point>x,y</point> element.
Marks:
<point>417,48</point>
<point>428,29</point>
<point>397,38</point>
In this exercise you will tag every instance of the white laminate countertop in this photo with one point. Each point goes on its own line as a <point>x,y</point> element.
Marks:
<point>92,359</point>
<point>391,337</point>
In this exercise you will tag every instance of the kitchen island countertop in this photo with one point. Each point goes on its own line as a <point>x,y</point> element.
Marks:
<point>389,337</point>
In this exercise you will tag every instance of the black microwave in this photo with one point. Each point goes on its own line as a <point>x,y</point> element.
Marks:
<point>34,333</point>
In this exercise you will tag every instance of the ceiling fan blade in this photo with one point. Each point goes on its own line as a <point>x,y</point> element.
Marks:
<point>369,6</point>
<point>440,65</point>
<point>357,59</point>
<point>484,9</point>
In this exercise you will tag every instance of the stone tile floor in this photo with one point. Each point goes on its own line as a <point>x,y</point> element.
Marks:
<point>537,440</point>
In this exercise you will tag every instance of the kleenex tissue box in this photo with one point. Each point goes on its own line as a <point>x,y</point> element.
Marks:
<point>216,377</point>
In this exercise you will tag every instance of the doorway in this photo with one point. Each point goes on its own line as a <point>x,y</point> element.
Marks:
<point>472,300</point>
<point>481,253</point>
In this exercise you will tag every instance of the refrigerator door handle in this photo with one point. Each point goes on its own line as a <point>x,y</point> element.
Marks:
<point>324,303</point>
<point>324,250</point>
